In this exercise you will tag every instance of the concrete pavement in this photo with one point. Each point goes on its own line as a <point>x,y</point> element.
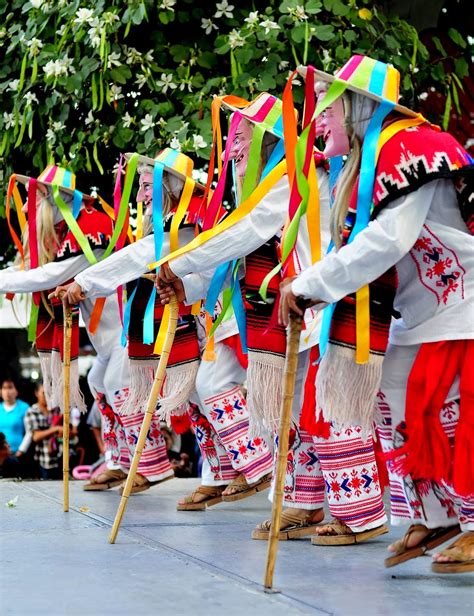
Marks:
<point>171,563</point>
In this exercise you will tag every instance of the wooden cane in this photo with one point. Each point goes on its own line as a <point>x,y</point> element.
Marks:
<point>150,410</point>
<point>67,333</point>
<point>291,364</point>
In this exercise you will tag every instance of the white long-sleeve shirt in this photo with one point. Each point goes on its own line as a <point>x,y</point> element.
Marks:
<point>260,225</point>
<point>127,264</point>
<point>423,234</point>
<point>55,273</point>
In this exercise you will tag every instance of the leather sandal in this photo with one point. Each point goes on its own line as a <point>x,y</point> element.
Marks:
<point>339,533</point>
<point>462,561</point>
<point>105,481</point>
<point>435,537</point>
<point>142,483</point>
<point>201,498</point>
<point>294,523</point>
<point>243,488</point>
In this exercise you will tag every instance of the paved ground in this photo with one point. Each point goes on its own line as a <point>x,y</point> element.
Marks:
<point>192,563</point>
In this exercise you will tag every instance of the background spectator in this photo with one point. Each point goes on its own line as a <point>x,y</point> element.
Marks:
<point>9,465</point>
<point>44,427</point>
<point>12,414</point>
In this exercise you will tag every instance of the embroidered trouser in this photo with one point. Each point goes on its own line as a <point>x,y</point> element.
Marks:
<point>223,405</point>
<point>108,380</point>
<point>423,501</point>
<point>304,483</point>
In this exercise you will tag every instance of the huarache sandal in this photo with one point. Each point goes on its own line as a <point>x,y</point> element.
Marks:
<point>294,523</point>
<point>435,537</point>
<point>461,554</point>
<point>239,488</point>
<point>105,481</point>
<point>336,532</point>
<point>141,483</point>
<point>201,498</point>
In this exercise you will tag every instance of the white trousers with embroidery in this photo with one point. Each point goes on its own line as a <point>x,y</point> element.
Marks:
<point>223,425</point>
<point>342,467</point>
<point>425,502</point>
<point>108,381</point>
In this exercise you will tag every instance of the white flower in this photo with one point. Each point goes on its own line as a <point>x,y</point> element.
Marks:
<point>94,191</point>
<point>296,81</point>
<point>165,82</point>
<point>133,56</point>
<point>116,92</point>
<point>208,25</point>
<point>252,19</point>
<point>127,120</point>
<point>141,80</point>
<point>30,98</point>
<point>56,68</point>
<point>34,45</point>
<point>36,4</point>
<point>268,24</point>
<point>50,136</point>
<point>148,57</point>
<point>186,83</point>
<point>58,126</point>
<point>298,13</point>
<point>13,85</point>
<point>167,5</point>
<point>224,9</point>
<point>236,39</point>
<point>147,122</point>
<point>8,120</point>
<point>283,65</point>
<point>175,144</point>
<point>60,31</point>
<point>83,16</point>
<point>198,142</point>
<point>89,119</point>
<point>95,32</point>
<point>113,59</point>
<point>108,18</point>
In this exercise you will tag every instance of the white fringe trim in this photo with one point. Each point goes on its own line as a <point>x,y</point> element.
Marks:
<point>179,383</point>
<point>264,392</point>
<point>346,392</point>
<point>46,372</point>
<point>76,398</point>
<point>142,374</point>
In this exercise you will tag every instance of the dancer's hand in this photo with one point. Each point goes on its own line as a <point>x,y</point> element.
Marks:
<point>166,291</point>
<point>75,293</point>
<point>287,302</point>
<point>166,274</point>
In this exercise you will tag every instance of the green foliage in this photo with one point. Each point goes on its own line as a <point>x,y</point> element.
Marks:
<point>81,82</point>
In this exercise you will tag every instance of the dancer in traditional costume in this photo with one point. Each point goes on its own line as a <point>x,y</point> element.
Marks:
<point>238,465</point>
<point>402,224</point>
<point>255,235</point>
<point>64,232</point>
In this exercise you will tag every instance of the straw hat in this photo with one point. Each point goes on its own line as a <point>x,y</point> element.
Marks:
<point>265,110</point>
<point>369,77</point>
<point>55,177</point>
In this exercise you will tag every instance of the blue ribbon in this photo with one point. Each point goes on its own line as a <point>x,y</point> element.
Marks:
<point>276,156</point>
<point>76,204</point>
<point>335,168</point>
<point>126,316</point>
<point>216,285</point>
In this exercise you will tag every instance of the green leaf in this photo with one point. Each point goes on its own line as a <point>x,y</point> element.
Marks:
<point>208,59</point>
<point>94,91</point>
<point>455,96</point>
<point>22,72</point>
<point>439,46</point>
<point>447,111</point>
<point>340,8</point>
<point>350,36</point>
<point>34,71</point>
<point>121,74</point>
<point>392,42</point>
<point>96,159</point>
<point>461,67</point>
<point>457,38</point>
<point>324,33</point>
<point>179,53</point>
<point>22,130</point>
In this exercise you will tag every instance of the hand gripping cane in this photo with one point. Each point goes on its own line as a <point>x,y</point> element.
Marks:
<point>67,311</point>
<point>291,363</point>
<point>150,409</point>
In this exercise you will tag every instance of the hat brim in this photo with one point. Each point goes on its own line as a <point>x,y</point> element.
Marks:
<point>24,179</point>
<point>147,160</point>
<point>233,109</point>
<point>322,76</point>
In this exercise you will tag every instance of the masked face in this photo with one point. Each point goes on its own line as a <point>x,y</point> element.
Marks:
<point>330,126</point>
<point>145,191</point>
<point>239,150</point>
